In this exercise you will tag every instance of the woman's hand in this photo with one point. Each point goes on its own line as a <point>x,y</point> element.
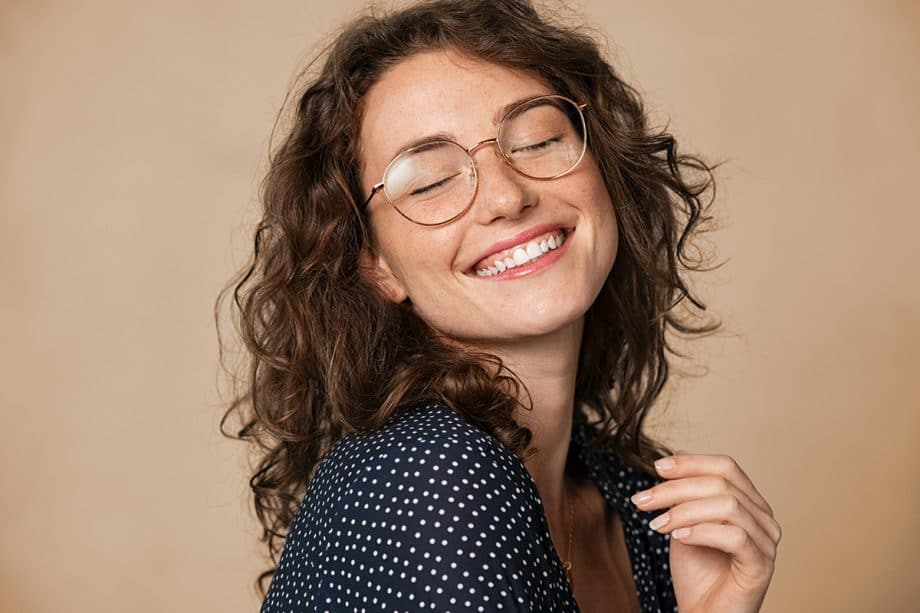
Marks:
<point>723,535</point>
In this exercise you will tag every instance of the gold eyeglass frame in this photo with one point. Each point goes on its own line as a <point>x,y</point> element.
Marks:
<point>580,107</point>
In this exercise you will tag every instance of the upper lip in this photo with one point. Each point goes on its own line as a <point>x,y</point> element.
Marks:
<point>517,239</point>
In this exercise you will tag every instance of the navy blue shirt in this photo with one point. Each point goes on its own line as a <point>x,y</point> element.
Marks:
<point>432,513</point>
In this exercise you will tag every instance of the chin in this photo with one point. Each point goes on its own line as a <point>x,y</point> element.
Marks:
<point>515,319</point>
<point>530,324</point>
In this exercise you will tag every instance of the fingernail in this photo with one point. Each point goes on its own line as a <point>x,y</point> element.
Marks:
<point>641,497</point>
<point>659,521</point>
<point>665,464</point>
<point>680,533</point>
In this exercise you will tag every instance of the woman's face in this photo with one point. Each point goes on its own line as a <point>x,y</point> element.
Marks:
<point>444,93</point>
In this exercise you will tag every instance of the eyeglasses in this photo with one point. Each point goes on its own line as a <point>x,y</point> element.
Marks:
<point>434,183</point>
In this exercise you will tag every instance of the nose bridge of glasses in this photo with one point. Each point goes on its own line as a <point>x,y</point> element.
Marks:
<point>482,143</point>
<point>499,153</point>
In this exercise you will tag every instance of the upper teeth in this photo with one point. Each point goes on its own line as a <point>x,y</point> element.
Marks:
<point>520,254</point>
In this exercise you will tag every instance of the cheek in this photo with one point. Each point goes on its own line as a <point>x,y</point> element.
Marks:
<point>611,237</point>
<point>421,262</point>
<point>606,237</point>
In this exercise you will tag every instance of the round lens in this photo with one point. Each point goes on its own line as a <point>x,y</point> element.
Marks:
<point>432,183</point>
<point>543,138</point>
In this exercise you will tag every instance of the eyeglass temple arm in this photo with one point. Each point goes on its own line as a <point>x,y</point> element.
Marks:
<point>376,188</point>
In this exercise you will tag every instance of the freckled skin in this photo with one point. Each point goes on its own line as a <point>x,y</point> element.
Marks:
<point>440,91</point>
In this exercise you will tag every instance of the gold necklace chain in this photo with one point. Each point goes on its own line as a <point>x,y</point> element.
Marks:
<point>567,566</point>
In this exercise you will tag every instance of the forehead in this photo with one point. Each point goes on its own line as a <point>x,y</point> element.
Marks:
<point>438,92</point>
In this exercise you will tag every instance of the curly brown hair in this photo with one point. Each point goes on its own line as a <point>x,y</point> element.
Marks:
<point>326,353</point>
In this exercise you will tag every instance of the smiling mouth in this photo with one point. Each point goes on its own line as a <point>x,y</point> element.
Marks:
<point>521,255</point>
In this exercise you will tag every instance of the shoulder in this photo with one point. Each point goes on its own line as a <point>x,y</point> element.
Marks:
<point>428,450</point>
<point>427,512</point>
<point>424,466</point>
<point>426,438</point>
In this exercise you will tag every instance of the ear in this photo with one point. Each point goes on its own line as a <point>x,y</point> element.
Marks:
<point>376,268</point>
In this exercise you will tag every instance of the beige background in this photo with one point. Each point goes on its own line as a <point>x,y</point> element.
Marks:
<point>134,133</point>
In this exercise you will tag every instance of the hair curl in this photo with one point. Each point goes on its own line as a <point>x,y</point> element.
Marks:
<point>328,354</point>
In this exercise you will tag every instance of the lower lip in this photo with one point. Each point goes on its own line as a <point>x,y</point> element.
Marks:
<point>525,270</point>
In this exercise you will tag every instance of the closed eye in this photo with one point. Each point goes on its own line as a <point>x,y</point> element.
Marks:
<point>541,145</point>
<point>433,186</point>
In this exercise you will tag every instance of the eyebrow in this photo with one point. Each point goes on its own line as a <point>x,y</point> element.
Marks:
<point>496,119</point>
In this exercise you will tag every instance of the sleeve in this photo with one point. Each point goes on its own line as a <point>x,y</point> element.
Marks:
<point>446,524</point>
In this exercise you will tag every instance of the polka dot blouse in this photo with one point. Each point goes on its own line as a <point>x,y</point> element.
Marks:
<point>430,513</point>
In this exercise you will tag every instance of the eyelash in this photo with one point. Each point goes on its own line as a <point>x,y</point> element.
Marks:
<point>428,188</point>
<point>540,145</point>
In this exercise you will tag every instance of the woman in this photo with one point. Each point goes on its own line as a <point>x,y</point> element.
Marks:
<point>455,314</point>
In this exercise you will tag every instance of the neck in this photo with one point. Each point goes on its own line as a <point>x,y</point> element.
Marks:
<point>547,366</point>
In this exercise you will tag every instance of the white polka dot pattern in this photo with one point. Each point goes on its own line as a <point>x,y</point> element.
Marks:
<point>430,513</point>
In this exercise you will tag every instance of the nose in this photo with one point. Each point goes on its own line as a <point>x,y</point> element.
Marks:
<point>502,192</point>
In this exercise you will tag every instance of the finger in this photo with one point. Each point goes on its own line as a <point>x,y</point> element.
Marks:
<point>720,509</point>
<point>670,493</point>
<point>688,465</point>
<point>733,540</point>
